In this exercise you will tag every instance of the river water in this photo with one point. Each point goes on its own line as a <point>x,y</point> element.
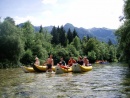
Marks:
<point>104,81</point>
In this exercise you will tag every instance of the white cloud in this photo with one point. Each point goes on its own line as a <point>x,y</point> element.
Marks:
<point>49,1</point>
<point>47,13</point>
<point>94,13</point>
<point>35,21</point>
<point>81,13</point>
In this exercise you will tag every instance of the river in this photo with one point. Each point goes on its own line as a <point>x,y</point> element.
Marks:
<point>104,81</point>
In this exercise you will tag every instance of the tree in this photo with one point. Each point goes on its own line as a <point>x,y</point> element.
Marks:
<point>92,56</point>
<point>62,37</point>
<point>59,52</point>
<point>11,43</point>
<point>76,43</point>
<point>91,44</point>
<point>84,40</point>
<point>127,9</point>
<point>75,34</point>
<point>27,57</point>
<point>69,36</point>
<point>55,36</point>
<point>28,32</point>
<point>72,51</point>
<point>41,29</point>
<point>123,34</point>
<point>110,42</point>
<point>9,19</point>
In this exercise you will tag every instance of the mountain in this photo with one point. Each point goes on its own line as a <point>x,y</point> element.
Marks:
<point>102,34</point>
<point>81,31</point>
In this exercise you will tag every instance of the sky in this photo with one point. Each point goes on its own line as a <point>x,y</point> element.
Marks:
<point>80,13</point>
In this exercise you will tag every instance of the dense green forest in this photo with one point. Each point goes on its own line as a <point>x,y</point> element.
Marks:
<point>123,34</point>
<point>20,45</point>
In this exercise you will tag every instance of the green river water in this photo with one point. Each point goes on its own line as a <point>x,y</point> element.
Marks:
<point>104,81</point>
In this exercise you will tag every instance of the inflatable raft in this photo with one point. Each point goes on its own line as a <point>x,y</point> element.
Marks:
<point>60,69</point>
<point>27,69</point>
<point>41,68</point>
<point>78,68</point>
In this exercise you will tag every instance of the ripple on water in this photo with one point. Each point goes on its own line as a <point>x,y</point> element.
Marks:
<point>103,81</point>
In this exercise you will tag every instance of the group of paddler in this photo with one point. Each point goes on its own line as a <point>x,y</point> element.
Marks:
<point>50,62</point>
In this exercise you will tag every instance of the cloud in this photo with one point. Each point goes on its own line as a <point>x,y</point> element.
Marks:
<point>47,13</point>
<point>81,13</point>
<point>92,13</point>
<point>49,1</point>
<point>34,21</point>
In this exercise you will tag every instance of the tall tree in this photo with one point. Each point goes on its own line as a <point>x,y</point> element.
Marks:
<point>28,31</point>
<point>55,36</point>
<point>123,33</point>
<point>11,45</point>
<point>41,29</point>
<point>110,42</point>
<point>76,43</point>
<point>9,19</point>
<point>69,36</point>
<point>75,33</point>
<point>62,37</point>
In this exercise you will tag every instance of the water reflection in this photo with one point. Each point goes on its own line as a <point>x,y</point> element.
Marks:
<point>126,83</point>
<point>111,80</point>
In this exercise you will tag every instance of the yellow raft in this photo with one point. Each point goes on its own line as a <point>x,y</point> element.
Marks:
<point>41,68</point>
<point>27,69</point>
<point>78,68</point>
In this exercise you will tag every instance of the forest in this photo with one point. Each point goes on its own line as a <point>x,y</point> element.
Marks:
<point>20,45</point>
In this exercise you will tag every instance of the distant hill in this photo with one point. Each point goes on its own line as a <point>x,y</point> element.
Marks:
<point>81,31</point>
<point>102,34</point>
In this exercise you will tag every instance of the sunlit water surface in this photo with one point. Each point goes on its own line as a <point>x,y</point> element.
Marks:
<point>104,81</point>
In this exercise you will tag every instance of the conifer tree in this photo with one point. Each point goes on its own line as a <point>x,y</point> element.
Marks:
<point>69,36</point>
<point>41,29</point>
<point>110,42</point>
<point>62,36</point>
<point>55,38</point>
<point>75,33</point>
